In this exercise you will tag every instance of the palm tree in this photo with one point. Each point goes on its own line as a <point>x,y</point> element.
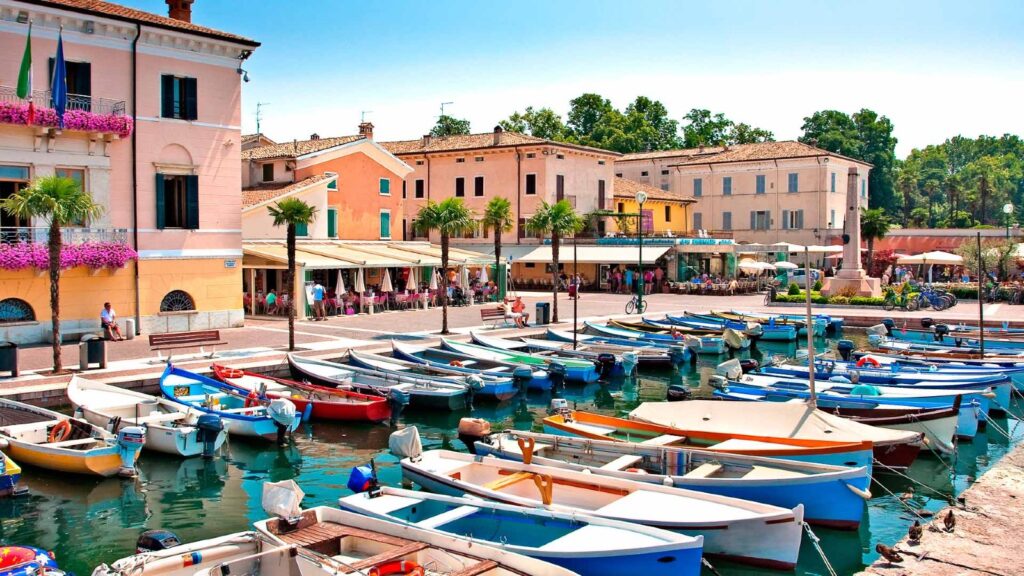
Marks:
<point>291,212</point>
<point>498,217</point>
<point>450,217</point>
<point>907,182</point>
<point>874,225</point>
<point>61,201</point>
<point>558,219</point>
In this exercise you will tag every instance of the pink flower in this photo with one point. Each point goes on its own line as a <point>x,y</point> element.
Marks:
<point>79,120</point>
<point>89,254</point>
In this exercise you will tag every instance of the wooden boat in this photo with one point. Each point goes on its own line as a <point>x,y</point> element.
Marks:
<point>832,496</point>
<point>743,531</point>
<point>321,402</point>
<point>575,370</point>
<point>46,439</point>
<point>582,543</point>
<point>964,359</point>
<point>770,332</point>
<point>733,339</point>
<point>697,343</point>
<point>169,429</point>
<point>534,378</point>
<point>893,449</point>
<point>488,386</point>
<point>243,416</point>
<point>197,558</point>
<point>820,324</point>
<point>420,392</point>
<point>608,364</point>
<point>599,427</point>
<point>647,354</point>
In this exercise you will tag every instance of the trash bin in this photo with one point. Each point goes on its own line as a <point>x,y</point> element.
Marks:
<point>9,358</point>
<point>92,350</point>
<point>543,314</point>
<point>129,328</point>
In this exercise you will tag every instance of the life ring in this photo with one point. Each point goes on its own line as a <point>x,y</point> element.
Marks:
<point>253,399</point>
<point>456,363</point>
<point>407,567</point>
<point>866,359</point>
<point>232,373</point>
<point>60,432</point>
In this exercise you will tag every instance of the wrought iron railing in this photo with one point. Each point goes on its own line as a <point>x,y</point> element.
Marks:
<point>87,103</point>
<point>72,235</point>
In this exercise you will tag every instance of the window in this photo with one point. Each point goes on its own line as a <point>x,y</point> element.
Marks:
<point>405,227</point>
<point>559,188</point>
<point>460,187</point>
<point>470,232</point>
<point>832,218</point>
<point>600,162</point>
<point>792,219</point>
<point>560,156</point>
<point>385,224</point>
<point>15,310</point>
<point>79,81</point>
<point>478,159</point>
<point>668,213</point>
<point>759,186</point>
<point>419,162</point>
<point>531,155</point>
<point>301,229</point>
<point>794,182</point>
<point>863,188</point>
<point>664,172</point>
<point>600,195</point>
<point>460,160</point>
<point>698,187</point>
<point>78,175</point>
<point>178,97</point>
<point>664,187</point>
<point>521,227</point>
<point>419,188</point>
<point>727,186</point>
<point>531,184</point>
<point>14,173</point>
<point>698,221</point>
<point>333,184</point>
<point>833,187</point>
<point>726,220</point>
<point>177,201</point>
<point>622,207</point>
<point>618,174</point>
<point>478,186</point>
<point>760,219</point>
<point>643,173</point>
<point>177,301</point>
<point>332,222</point>
<point>385,186</point>
<point>530,264</point>
<point>403,189</point>
<point>268,172</point>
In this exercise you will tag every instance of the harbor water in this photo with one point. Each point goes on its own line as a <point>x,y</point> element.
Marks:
<point>87,522</point>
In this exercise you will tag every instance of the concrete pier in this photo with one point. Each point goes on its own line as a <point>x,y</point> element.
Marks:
<point>988,537</point>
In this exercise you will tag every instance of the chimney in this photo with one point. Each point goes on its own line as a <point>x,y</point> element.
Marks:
<point>314,136</point>
<point>366,130</point>
<point>497,135</point>
<point>180,9</point>
<point>426,140</point>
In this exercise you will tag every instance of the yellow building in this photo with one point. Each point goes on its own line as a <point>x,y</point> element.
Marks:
<point>666,213</point>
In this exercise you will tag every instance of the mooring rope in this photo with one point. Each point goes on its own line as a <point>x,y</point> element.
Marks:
<point>817,546</point>
<point>708,565</point>
<point>918,482</point>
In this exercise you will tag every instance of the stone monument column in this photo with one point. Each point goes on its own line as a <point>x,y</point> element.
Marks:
<point>851,277</point>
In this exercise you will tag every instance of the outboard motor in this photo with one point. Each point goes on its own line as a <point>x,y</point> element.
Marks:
<point>749,365</point>
<point>363,478</point>
<point>754,331</point>
<point>472,430</point>
<point>284,415</point>
<point>730,369</point>
<point>154,540</point>
<point>397,401</point>
<point>940,332</point>
<point>129,443</point>
<point>718,382</point>
<point>405,443</point>
<point>845,349</point>
<point>474,383</point>
<point>678,393</point>
<point>522,375</point>
<point>927,323</point>
<point>679,354</point>
<point>209,428</point>
<point>556,371</point>
<point>890,325</point>
<point>605,365</point>
<point>630,360</point>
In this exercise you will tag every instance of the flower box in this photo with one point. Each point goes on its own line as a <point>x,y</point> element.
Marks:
<point>93,255</point>
<point>79,120</point>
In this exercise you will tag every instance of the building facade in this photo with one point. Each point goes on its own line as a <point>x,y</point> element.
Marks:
<point>765,193</point>
<point>152,132</point>
<point>665,213</point>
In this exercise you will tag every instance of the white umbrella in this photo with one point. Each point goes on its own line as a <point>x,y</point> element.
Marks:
<point>464,280</point>
<point>483,275</point>
<point>433,280</point>
<point>340,286</point>
<point>360,284</point>
<point>932,258</point>
<point>754,266</point>
<point>786,265</point>
<point>385,284</point>
<point>413,283</point>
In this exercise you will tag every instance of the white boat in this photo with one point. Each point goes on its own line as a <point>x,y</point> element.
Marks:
<point>743,531</point>
<point>171,428</point>
<point>193,558</point>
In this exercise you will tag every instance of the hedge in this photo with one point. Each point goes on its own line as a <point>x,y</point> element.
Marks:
<point>818,298</point>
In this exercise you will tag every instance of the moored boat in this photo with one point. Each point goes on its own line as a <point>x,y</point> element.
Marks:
<point>487,386</point>
<point>10,475</point>
<point>575,370</point>
<point>647,354</point>
<point>608,364</point>
<point>534,378</point>
<point>28,561</point>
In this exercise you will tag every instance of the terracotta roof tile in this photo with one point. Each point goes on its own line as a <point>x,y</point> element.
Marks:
<point>765,151</point>
<point>625,188</point>
<point>678,153</point>
<point>109,9</point>
<point>266,192</point>
<point>297,148</point>
<point>477,141</point>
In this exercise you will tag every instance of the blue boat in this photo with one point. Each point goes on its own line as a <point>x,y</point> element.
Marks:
<point>535,378</point>
<point>242,414</point>
<point>579,542</point>
<point>768,331</point>
<point>609,365</point>
<point>575,370</point>
<point>714,345</point>
<point>824,323</point>
<point>489,386</point>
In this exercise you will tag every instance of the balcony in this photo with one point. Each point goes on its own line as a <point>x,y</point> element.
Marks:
<point>41,235</point>
<point>83,113</point>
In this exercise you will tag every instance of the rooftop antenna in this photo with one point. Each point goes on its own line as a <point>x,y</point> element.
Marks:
<point>259,114</point>
<point>443,104</point>
<point>362,115</point>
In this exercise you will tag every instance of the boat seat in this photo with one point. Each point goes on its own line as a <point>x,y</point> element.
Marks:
<point>599,430</point>
<point>200,397</point>
<point>241,410</point>
<point>68,443</point>
<point>705,470</point>
<point>161,418</point>
<point>622,462</point>
<point>664,440</point>
<point>446,517</point>
<point>763,473</point>
<point>509,480</point>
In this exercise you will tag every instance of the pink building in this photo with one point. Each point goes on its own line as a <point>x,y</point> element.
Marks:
<point>156,140</point>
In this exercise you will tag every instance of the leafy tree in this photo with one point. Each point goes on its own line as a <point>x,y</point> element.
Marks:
<point>648,127</point>
<point>743,133</point>
<point>591,117</point>
<point>705,129</point>
<point>450,126</point>
<point>906,181</point>
<point>498,217</point>
<point>558,220</point>
<point>542,123</point>
<point>995,254</point>
<point>291,212</point>
<point>449,217</point>
<point>874,225</point>
<point>60,201</point>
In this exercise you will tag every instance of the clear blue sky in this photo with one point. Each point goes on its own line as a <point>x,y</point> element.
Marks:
<point>935,68</point>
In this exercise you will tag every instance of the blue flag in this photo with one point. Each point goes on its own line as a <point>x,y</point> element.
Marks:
<point>59,90</point>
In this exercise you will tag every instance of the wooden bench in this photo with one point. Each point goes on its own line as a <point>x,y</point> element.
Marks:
<point>178,340</point>
<point>495,315</point>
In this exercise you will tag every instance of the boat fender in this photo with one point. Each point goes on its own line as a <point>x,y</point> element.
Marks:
<point>667,481</point>
<point>526,446</point>
<point>456,363</point>
<point>4,444</point>
<point>252,399</point>
<point>407,567</point>
<point>636,470</point>
<point>865,494</point>
<point>867,360</point>
<point>307,412</point>
<point>60,432</point>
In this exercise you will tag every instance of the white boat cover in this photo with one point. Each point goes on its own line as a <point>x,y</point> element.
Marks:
<point>786,420</point>
<point>405,443</point>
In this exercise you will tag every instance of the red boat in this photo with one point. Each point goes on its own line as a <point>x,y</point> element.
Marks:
<point>327,403</point>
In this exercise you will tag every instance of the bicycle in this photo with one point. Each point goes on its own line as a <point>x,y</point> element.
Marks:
<point>636,305</point>
<point>897,299</point>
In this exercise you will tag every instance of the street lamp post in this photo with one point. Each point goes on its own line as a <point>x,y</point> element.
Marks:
<point>1008,210</point>
<point>641,197</point>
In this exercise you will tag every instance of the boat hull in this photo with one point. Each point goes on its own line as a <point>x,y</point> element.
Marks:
<point>176,441</point>
<point>104,461</point>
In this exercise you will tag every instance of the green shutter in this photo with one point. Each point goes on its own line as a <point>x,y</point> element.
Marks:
<point>385,186</point>
<point>301,229</point>
<point>160,208</point>
<point>191,111</point>
<point>332,223</point>
<point>167,96</point>
<point>192,202</point>
<point>385,225</point>
<point>785,219</point>
<point>333,184</point>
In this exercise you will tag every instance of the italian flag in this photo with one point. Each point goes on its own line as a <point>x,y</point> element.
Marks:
<point>25,77</point>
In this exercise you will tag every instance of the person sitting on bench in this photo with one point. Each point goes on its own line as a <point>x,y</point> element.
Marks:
<point>108,321</point>
<point>519,308</point>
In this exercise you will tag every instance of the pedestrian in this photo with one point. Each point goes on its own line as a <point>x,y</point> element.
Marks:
<point>659,276</point>
<point>318,302</point>
<point>272,302</point>
<point>648,281</point>
<point>629,280</point>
